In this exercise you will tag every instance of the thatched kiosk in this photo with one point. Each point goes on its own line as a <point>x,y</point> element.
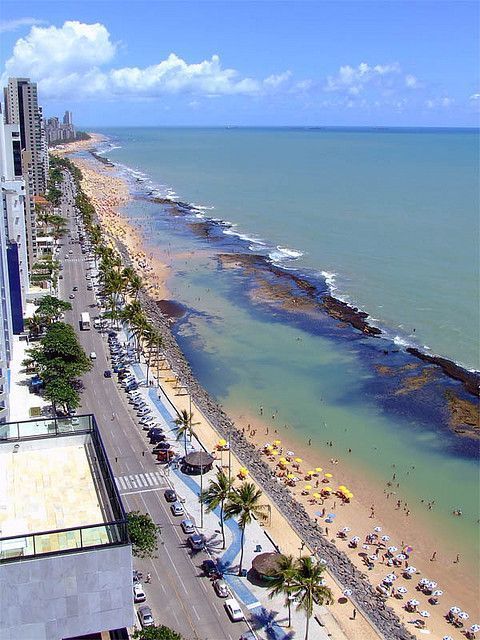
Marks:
<point>266,564</point>
<point>198,462</point>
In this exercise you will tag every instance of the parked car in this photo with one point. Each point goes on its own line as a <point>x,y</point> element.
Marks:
<point>75,289</point>
<point>138,593</point>
<point>145,616</point>
<point>107,373</point>
<point>234,610</point>
<point>209,567</point>
<point>196,541</point>
<point>187,526</point>
<point>170,495</point>
<point>72,296</point>
<point>221,588</point>
<point>93,355</point>
<point>248,635</point>
<point>177,509</point>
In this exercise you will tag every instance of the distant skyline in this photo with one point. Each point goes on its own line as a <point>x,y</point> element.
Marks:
<point>248,63</point>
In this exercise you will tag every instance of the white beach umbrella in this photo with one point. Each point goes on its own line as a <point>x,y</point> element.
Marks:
<point>388,580</point>
<point>411,570</point>
<point>347,592</point>
<point>355,539</point>
<point>392,549</point>
<point>401,556</point>
<point>455,610</point>
<point>413,602</point>
<point>290,453</point>
<point>392,576</point>
<point>425,614</point>
<point>385,538</point>
<point>475,628</point>
<point>432,585</point>
<point>447,638</point>
<point>424,581</point>
<point>463,615</point>
<point>437,593</point>
<point>377,529</point>
<point>346,529</point>
<point>374,557</point>
<point>402,590</point>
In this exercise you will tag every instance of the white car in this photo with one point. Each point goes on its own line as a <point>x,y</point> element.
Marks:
<point>138,593</point>
<point>234,610</point>
<point>93,355</point>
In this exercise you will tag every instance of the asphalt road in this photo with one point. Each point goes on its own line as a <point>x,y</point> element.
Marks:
<point>179,594</point>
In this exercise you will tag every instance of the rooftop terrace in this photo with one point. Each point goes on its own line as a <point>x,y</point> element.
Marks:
<point>57,492</point>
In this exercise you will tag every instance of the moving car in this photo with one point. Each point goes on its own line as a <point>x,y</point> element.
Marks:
<point>107,373</point>
<point>221,588</point>
<point>187,526</point>
<point>72,296</point>
<point>170,495</point>
<point>93,355</point>
<point>234,610</point>
<point>145,616</point>
<point>196,541</point>
<point>177,509</point>
<point>138,593</point>
<point>75,289</point>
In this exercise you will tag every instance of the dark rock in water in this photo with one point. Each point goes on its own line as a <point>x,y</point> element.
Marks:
<point>470,379</point>
<point>171,309</point>
<point>341,310</point>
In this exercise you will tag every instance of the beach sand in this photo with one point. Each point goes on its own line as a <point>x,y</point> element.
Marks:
<point>108,194</point>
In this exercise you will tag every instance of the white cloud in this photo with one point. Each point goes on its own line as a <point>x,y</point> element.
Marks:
<point>475,96</point>
<point>13,25</point>
<point>439,103</point>
<point>71,60</point>
<point>353,80</point>
<point>411,81</point>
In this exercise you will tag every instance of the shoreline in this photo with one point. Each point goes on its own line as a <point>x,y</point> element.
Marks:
<point>339,563</point>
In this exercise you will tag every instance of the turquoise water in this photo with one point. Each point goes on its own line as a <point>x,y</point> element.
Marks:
<point>394,215</point>
<point>330,210</point>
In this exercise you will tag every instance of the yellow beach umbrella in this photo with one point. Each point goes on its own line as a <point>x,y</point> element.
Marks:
<point>283,459</point>
<point>222,442</point>
<point>328,475</point>
<point>277,442</point>
<point>310,473</point>
<point>274,453</point>
<point>298,460</point>
<point>308,487</point>
<point>342,487</point>
<point>290,476</point>
<point>268,447</point>
<point>318,469</point>
<point>317,496</point>
<point>327,489</point>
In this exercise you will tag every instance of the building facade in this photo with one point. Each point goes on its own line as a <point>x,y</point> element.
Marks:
<point>57,132</point>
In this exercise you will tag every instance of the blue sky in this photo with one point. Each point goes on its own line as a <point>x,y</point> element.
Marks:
<point>248,63</point>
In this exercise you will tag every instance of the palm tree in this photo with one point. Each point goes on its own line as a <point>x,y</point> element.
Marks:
<point>243,504</point>
<point>281,582</point>
<point>307,587</point>
<point>216,494</point>
<point>153,343</point>
<point>185,427</point>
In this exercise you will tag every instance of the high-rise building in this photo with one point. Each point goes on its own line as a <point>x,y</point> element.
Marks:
<point>57,132</point>
<point>68,118</point>
<point>21,108</point>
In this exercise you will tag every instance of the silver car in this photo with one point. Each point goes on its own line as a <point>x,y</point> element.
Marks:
<point>145,616</point>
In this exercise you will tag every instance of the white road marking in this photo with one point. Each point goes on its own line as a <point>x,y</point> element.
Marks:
<point>131,493</point>
<point>253,605</point>
<point>134,484</point>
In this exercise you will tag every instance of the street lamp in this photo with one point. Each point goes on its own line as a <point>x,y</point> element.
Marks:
<point>301,548</point>
<point>229,452</point>
<point>201,493</point>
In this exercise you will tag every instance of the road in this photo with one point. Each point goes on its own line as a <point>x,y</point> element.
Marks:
<point>179,595</point>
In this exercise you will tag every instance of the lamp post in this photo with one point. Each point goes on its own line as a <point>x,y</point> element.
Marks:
<point>229,452</point>
<point>201,492</point>
<point>300,549</point>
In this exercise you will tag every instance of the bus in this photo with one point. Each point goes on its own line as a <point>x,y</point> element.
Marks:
<point>85,321</point>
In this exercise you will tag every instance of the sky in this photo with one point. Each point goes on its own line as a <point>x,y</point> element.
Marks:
<point>284,63</point>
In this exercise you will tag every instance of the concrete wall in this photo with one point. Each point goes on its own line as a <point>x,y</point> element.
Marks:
<point>49,598</point>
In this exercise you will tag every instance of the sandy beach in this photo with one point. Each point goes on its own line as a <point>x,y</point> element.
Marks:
<point>372,506</point>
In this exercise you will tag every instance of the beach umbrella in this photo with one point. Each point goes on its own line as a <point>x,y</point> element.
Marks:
<point>402,590</point>
<point>290,476</point>
<point>316,495</point>
<point>392,549</point>
<point>411,570</point>
<point>407,549</point>
<point>377,529</point>
<point>387,580</point>
<point>437,593</point>
<point>308,487</point>
<point>298,459</point>
<point>346,529</point>
<point>401,556</point>
<point>277,442</point>
<point>425,614</point>
<point>355,539</point>
<point>290,453</point>
<point>222,442</point>
<point>347,592</point>
<point>327,489</point>
<point>274,453</point>
<point>455,610</point>
<point>432,585</point>
<point>310,473</point>
<point>414,602</point>
<point>318,469</point>
<point>475,628</point>
<point>331,515</point>
<point>328,475</point>
<point>463,615</point>
<point>447,638</point>
<point>385,538</point>
<point>374,557</point>
<point>424,581</point>
<point>392,576</point>
<point>342,487</point>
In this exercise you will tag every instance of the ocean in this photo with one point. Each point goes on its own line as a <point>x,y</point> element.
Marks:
<point>386,220</point>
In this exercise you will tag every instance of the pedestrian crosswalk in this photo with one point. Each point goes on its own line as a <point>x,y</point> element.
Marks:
<point>140,482</point>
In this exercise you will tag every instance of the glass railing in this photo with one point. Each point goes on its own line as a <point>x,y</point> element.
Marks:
<point>45,427</point>
<point>63,541</point>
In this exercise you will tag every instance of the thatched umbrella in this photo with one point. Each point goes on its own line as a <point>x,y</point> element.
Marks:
<point>266,564</point>
<point>198,462</point>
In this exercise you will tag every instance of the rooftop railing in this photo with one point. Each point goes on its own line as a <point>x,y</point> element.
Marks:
<point>111,532</point>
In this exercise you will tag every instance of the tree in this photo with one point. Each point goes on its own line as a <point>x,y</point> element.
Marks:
<point>185,427</point>
<point>61,392</point>
<point>156,633</point>
<point>143,534</point>
<point>307,587</point>
<point>281,581</point>
<point>46,269</point>
<point>244,505</point>
<point>50,309</point>
<point>216,494</point>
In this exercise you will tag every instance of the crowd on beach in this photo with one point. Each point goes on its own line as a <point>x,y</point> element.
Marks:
<point>298,493</point>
